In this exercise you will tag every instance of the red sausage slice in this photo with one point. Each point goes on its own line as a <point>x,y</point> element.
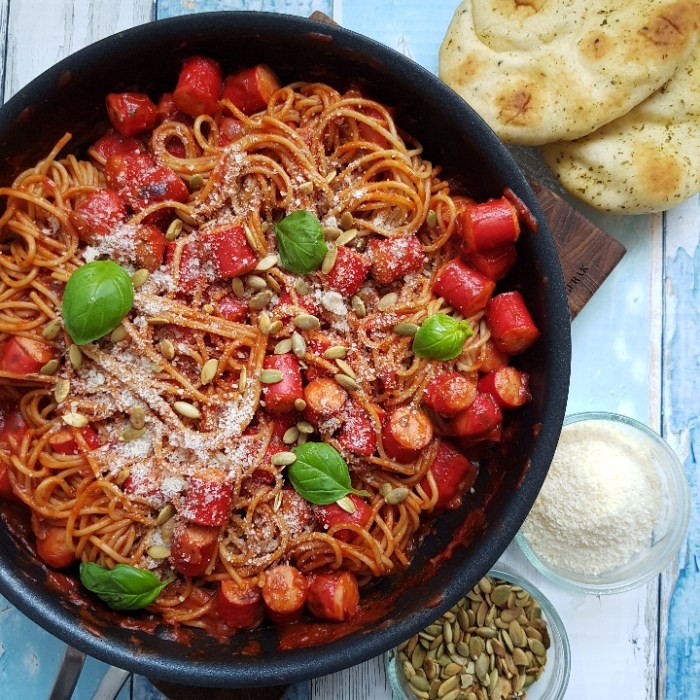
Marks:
<point>284,593</point>
<point>193,547</point>
<point>334,596</point>
<point>241,607</point>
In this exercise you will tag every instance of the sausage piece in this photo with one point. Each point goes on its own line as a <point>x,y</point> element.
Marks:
<point>241,607</point>
<point>284,593</point>
<point>193,548</point>
<point>334,596</point>
<point>407,430</point>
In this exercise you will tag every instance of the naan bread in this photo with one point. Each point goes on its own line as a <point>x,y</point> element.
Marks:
<point>646,161</point>
<point>550,70</point>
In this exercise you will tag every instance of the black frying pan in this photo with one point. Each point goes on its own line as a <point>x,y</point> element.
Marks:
<point>463,544</point>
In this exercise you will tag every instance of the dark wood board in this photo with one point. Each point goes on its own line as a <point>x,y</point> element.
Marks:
<point>586,252</point>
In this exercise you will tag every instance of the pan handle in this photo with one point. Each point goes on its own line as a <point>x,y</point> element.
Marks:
<point>68,674</point>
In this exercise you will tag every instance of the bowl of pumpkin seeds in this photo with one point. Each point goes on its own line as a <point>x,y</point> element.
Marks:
<point>502,641</point>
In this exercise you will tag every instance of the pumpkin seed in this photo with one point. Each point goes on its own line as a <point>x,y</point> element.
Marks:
<point>267,263</point>
<point>137,417</point>
<point>486,632</point>
<point>237,287</point>
<point>387,301</point>
<point>50,368</point>
<point>406,329</point>
<point>299,404</point>
<point>61,390</point>
<point>418,657</point>
<point>277,503</point>
<point>158,551</point>
<point>329,260</point>
<point>499,595</point>
<point>138,279</point>
<point>346,382</point>
<point>275,327</point>
<point>75,420</point>
<point>347,236</point>
<point>358,306</point>
<point>165,513</point>
<point>305,427</point>
<point>298,344</point>
<point>250,237</point>
<point>209,370</point>
<point>196,182</point>
<point>345,368</point>
<point>51,329</point>
<point>256,282</point>
<point>306,187</point>
<point>485,586</point>
<point>243,379</point>
<point>75,356</point>
<point>131,433</point>
<point>452,669</point>
<point>397,495</point>
<point>335,352</point>
<point>331,233</point>
<point>273,283</point>
<point>187,409</point>
<point>431,219</point>
<point>346,504</point>
<point>448,685</point>
<point>260,300</point>
<point>537,647</point>
<point>346,220</point>
<point>301,286</point>
<point>291,435</point>
<point>271,376</point>
<point>519,657</point>
<point>157,321</point>
<point>283,459</point>
<point>174,230</point>
<point>306,322</point>
<point>118,334</point>
<point>452,695</point>
<point>283,347</point>
<point>167,349</point>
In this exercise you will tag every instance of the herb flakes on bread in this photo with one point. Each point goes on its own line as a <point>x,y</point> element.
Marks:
<point>646,161</point>
<point>540,71</point>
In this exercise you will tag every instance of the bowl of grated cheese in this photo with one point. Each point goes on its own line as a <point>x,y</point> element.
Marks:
<point>613,510</point>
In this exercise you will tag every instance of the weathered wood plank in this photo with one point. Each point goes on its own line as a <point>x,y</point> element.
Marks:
<point>38,35</point>
<point>680,617</point>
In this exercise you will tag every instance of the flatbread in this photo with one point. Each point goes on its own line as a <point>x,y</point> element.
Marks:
<point>550,70</point>
<point>643,162</point>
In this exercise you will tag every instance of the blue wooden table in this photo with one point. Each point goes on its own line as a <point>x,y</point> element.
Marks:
<point>635,349</point>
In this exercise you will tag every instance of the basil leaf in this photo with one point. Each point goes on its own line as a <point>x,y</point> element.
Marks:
<point>123,587</point>
<point>320,474</point>
<point>441,337</point>
<point>97,297</point>
<point>300,242</point>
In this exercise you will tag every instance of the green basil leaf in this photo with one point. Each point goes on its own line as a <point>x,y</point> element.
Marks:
<point>97,297</point>
<point>300,242</point>
<point>320,474</point>
<point>441,337</point>
<point>123,587</point>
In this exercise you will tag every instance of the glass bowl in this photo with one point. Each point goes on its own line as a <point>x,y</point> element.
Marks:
<point>551,685</point>
<point>668,531</point>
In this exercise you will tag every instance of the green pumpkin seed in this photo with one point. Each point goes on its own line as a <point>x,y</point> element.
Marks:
<point>271,376</point>
<point>51,329</point>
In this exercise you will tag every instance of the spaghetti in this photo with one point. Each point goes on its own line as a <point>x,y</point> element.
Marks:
<point>165,444</point>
